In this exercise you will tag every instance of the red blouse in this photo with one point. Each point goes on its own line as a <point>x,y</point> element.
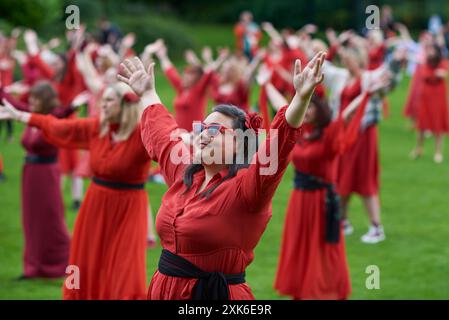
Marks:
<point>125,161</point>
<point>190,104</point>
<point>219,233</point>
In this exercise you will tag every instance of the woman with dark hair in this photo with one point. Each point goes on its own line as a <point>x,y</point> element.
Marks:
<point>46,239</point>
<point>312,262</point>
<point>217,207</point>
<point>431,104</point>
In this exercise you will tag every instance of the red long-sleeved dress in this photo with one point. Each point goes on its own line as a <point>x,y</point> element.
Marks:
<point>109,237</point>
<point>220,233</point>
<point>190,104</point>
<point>309,267</point>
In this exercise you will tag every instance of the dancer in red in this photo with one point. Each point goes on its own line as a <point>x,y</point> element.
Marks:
<point>232,84</point>
<point>46,238</point>
<point>214,212</point>
<point>432,105</point>
<point>312,263</point>
<point>109,237</point>
<point>192,88</point>
<point>247,35</point>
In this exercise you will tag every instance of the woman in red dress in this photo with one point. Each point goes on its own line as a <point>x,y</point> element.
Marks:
<point>432,105</point>
<point>109,237</point>
<point>215,211</point>
<point>232,84</point>
<point>46,238</point>
<point>312,263</point>
<point>191,89</point>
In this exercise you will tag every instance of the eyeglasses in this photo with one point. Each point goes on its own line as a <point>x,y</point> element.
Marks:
<point>212,129</point>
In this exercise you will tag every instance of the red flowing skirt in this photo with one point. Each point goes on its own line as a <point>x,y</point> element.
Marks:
<point>432,108</point>
<point>358,168</point>
<point>309,267</point>
<point>109,245</point>
<point>47,241</point>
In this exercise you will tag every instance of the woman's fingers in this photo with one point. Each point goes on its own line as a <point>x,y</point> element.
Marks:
<point>151,70</point>
<point>128,72</point>
<point>130,65</point>
<point>138,63</point>
<point>123,79</point>
<point>297,66</point>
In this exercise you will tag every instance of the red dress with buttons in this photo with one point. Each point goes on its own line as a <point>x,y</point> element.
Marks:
<point>218,234</point>
<point>109,237</point>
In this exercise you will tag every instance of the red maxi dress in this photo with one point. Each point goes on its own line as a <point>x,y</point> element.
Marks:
<point>432,104</point>
<point>218,234</point>
<point>109,237</point>
<point>46,238</point>
<point>309,266</point>
<point>357,169</point>
<point>190,104</point>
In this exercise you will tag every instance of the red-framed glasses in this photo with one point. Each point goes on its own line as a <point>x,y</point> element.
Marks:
<point>212,129</point>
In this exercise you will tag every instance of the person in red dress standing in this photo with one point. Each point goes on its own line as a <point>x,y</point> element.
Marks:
<point>232,84</point>
<point>109,237</point>
<point>312,262</point>
<point>432,105</point>
<point>191,89</point>
<point>46,238</point>
<point>215,211</point>
<point>247,34</point>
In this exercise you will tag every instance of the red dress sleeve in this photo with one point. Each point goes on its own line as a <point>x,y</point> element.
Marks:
<point>159,136</point>
<point>260,180</point>
<point>45,70</point>
<point>66,133</point>
<point>204,82</point>
<point>174,78</point>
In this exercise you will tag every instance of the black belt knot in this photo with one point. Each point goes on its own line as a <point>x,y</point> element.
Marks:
<point>210,285</point>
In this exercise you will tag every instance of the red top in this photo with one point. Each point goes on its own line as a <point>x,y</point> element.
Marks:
<point>316,157</point>
<point>238,97</point>
<point>219,233</point>
<point>7,65</point>
<point>190,104</point>
<point>376,57</point>
<point>125,161</point>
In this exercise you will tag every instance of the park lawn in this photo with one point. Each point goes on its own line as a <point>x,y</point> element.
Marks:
<point>413,261</point>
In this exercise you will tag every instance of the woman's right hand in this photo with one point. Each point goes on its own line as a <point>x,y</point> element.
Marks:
<point>8,112</point>
<point>139,79</point>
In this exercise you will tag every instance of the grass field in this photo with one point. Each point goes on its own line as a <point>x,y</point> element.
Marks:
<point>413,261</point>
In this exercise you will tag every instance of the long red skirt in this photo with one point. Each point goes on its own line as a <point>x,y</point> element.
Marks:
<point>47,240</point>
<point>309,267</point>
<point>109,245</point>
<point>358,168</point>
<point>432,108</point>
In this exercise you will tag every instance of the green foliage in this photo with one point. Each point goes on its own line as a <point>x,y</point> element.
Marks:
<point>33,14</point>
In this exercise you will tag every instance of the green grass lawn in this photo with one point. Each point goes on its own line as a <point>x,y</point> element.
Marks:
<point>413,261</point>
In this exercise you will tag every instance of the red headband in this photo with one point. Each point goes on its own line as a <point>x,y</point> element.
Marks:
<point>253,121</point>
<point>131,97</point>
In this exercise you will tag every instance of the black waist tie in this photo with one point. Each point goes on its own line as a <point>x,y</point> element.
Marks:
<point>35,159</point>
<point>118,185</point>
<point>210,285</point>
<point>305,181</point>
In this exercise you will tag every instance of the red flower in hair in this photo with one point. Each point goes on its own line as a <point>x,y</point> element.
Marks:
<point>131,97</point>
<point>253,121</point>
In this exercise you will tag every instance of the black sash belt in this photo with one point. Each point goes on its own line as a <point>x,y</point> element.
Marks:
<point>210,285</point>
<point>118,185</point>
<point>35,159</point>
<point>308,182</point>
